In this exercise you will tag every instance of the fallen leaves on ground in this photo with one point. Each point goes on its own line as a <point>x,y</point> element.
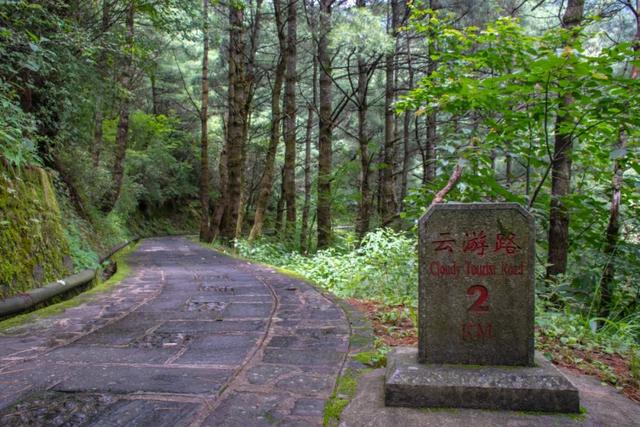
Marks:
<point>392,324</point>
<point>610,368</point>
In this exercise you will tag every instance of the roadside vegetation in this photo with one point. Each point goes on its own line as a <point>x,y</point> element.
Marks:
<point>380,278</point>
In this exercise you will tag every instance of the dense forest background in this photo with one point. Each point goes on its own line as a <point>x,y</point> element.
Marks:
<point>313,134</point>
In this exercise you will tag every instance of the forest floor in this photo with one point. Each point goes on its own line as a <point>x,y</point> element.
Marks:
<point>394,326</point>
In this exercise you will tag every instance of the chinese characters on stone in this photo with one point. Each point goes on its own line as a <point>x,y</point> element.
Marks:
<point>476,242</point>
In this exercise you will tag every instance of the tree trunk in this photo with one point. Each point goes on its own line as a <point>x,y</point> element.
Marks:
<point>613,228</point>
<point>612,234</point>
<point>205,229</point>
<point>325,126</point>
<point>122,132</point>
<point>430,157</point>
<point>102,65</point>
<point>242,208</point>
<point>236,128</point>
<point>220,205</point>
<point>406,159</point>
<point>155,99</point>
<point>364,205</point>
<point>388,203</point>
<point>280,206</point>
<point>266,183</point>
<point>290,123</point>
<point>561,168</point>
<point>306,207</point>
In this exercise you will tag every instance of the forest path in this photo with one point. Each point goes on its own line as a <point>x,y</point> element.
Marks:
<point>191,337</point>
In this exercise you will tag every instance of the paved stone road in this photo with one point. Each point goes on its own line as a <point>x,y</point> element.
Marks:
<point>191,338</point>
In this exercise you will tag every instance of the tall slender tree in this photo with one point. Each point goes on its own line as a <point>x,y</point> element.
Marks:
<point>205,228</point>
<point>388,198</point>
<point>325,127</point>
<point>266,183</point>
<point>237,96</point>
<point>102,66</point>
<point>290,121</point>
<point>122,131</point>
<point>364,203</point>
<point>561,165</point>
<point>612,234</point>
<point>306,206</point>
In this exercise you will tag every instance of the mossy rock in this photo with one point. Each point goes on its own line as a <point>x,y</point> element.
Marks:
<point>33,246</point>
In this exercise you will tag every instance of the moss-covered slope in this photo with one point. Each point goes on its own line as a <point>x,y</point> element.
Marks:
<point>33,246</point>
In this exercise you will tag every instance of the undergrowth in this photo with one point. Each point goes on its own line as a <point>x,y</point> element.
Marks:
<point>385,269</point>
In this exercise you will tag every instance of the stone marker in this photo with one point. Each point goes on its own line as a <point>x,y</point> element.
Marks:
<point>476,290</point>
<point>476,317</point>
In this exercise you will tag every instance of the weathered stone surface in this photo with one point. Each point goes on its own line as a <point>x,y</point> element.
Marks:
<point>306,384</point>
<point>55,409</point>
<point>476,297</point>
<point>246,310</point>
<point>313,407</point>
<point>129,379</point>
<point>249,409</point>
<point>186,337</point>
<point>302,357</point>
<point>263,374</point>
<point>539,388</point>
<point>603,406</point>
<point>218,349</point>
<point>146,413</point>
<point>97,355</point>
<point>213,327</point>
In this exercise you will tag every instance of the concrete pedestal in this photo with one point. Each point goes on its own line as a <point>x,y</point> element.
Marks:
<point>540,388</point>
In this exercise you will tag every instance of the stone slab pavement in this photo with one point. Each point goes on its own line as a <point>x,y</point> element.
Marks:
<point>195,338</point>
<point>190,338</point>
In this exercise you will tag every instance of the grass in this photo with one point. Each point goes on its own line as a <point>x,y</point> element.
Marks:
<point>123,271</point>
<point>344,392</point>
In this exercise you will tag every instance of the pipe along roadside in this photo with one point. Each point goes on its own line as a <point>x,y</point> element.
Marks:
<point>27,300</point>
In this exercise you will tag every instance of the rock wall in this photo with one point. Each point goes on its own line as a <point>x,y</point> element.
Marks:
<point>33,246</point>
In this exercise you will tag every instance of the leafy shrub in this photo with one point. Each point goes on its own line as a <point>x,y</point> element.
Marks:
<point>15,126</point>
<point>384,267</point>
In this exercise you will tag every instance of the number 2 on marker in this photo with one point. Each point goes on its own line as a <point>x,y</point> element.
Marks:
<point>480,304</point>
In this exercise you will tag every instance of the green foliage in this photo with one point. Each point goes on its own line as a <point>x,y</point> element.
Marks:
<point>83,257</point>
<point>45,58</point>
<point>376,358</point>
<point>577,331</point>
<point>16,146</point>
<point>362,31</point>
<point>383,268</point>
<point>502,89</point>
<point>159,166</point>
<point>159,159</point>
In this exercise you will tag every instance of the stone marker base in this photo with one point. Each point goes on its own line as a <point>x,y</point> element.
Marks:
<point>540,388</point>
